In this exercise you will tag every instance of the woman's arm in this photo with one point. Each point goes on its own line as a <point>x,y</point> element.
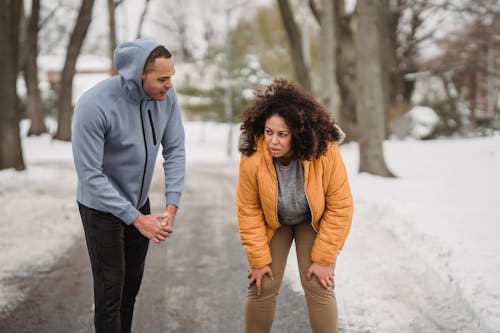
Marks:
<point>251,219</point>
<point>337,218</point>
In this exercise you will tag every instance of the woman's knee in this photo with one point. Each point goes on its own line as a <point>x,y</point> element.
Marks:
<point>314,291</point>
<point>269,289</point>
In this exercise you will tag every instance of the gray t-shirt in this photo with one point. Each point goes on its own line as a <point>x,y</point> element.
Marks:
<point>292,202</point>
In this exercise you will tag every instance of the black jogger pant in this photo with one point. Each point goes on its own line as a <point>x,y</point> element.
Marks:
<point>117,255</point>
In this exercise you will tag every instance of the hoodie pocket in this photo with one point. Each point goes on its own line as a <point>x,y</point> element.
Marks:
<point>152,127</point>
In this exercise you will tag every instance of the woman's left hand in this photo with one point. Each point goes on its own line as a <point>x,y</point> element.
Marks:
<point>324,273</point>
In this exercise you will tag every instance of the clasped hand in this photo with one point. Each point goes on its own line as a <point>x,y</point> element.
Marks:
<point>156,227</point>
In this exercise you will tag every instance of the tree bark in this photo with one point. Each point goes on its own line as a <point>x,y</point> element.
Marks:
<point>11,155</point>
<point>346,71</point>
<point>34,102</point>
<point>65,107</point>
<point>344,66</point>
<point>112,35</point>
<point>295,42</point>
<point>328,59</point>
<point>472,99</point>
<point>388,56</point>
<point>372,102</point>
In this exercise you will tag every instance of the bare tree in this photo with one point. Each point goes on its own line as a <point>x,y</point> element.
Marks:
<point>11,155</point>
<point>34,101</point>
<point>54,28</point>
<point>469,64</point>
<point>65,107</point>
<point>112,34</point>
<point>372,106</point>
<point>328,58</point>
<point>177,23</point>
<point>346,69</point>
<point>295,42</point>
<point>344,61</point>
<point>143,18</point>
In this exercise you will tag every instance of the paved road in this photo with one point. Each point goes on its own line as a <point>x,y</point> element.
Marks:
<point>194,282</point>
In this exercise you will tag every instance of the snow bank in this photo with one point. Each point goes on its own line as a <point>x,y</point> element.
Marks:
<point>444,207</point>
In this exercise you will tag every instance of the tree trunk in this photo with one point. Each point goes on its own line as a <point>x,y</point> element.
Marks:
<point>344,65</point>
<point>371,106</point>
<point>112,35</point>
<point>346,71</point>
<point>34,102</point>
<point>295,42</point>
<point>388,57</point>
<point>65,107</point>
<point>11,155</point>
<point>473,99</point>
<point>328,59</point>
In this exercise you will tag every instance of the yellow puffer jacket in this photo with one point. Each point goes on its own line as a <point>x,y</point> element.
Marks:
<point>327,191</point>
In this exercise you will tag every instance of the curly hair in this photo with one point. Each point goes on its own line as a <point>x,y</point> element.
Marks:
<point>310,124</point>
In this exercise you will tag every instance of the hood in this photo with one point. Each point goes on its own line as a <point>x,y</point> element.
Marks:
<point>130,58</point>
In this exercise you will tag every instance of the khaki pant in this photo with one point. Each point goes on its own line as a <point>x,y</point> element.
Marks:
<point>321,303</point>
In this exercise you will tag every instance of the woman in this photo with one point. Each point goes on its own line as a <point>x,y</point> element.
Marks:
<point>292,185</point>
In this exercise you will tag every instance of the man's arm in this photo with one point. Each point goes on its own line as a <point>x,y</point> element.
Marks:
<point>88,135</point>
<point>174,164</point>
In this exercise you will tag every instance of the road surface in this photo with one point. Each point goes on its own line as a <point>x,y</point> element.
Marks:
<point>194,282</point>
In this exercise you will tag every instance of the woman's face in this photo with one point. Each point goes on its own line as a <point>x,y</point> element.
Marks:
<point>278,137</point>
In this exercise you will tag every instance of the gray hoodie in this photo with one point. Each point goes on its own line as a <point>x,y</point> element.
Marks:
<point>116,133</point>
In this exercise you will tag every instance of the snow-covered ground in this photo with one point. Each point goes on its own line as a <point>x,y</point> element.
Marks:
<point>423,246</point>
<point>428,236</point>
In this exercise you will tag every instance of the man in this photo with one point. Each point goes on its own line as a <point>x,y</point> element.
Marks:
<point>117,129</point>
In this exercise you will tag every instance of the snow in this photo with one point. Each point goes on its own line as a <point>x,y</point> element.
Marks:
<point>424,119</point>
<point>423,245</point>
<point>84,62</point>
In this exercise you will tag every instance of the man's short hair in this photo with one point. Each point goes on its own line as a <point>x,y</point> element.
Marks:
<point>158,52</point>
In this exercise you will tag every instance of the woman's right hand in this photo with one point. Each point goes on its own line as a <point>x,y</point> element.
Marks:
<point>255,275</point>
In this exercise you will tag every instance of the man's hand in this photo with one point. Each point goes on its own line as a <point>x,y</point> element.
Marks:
<point>255,275</point>
<point>169,218</point>
<point>150,227</point>
<point>323,273</point>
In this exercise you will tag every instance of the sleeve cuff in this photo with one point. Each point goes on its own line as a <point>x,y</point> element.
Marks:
<point>173,198</point>
<point>129,215</point>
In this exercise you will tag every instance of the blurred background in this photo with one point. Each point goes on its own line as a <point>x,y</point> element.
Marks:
<point>424,69</point>
<point>414,83</point>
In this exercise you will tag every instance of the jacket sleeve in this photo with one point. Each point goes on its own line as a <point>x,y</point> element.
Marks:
<point>88,132</point>
<point>174,164</point>
<point>336,221</point>
<point>251,216</point>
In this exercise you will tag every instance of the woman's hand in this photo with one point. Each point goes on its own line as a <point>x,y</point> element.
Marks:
<point>324,273</point>
<point>255,275</point>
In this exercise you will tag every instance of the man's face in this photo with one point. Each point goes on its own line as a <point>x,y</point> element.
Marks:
<point>158,79</point>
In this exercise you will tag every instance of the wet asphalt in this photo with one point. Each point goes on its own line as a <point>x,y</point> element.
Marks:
<point>195,282</point>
